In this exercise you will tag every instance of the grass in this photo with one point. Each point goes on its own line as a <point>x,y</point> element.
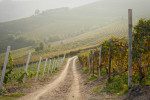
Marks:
<point>116,85</point>
<point>148,78</point>
<point>32,69</point>
<point>119,85</point>
<point>103,72</point>
<point>97,89</point>
<point>13,96</point>
<point>16,81</point>
<point>92,78</point>
<point>85,70</point>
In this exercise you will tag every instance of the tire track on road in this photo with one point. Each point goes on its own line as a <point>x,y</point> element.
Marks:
<point>36,95</point>
<point>75,90</point>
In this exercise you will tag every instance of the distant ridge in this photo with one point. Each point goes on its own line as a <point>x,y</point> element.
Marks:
<point>64,23</point>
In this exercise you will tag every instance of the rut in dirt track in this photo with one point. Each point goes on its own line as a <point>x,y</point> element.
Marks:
<point>65,87</point>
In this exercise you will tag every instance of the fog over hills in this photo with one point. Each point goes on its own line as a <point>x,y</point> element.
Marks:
<point>62,23</point>
<point>14,9</point>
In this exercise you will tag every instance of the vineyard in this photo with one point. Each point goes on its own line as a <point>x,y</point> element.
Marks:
<point>17,76</point>
<point>105,55</point>
<point>110,60</point>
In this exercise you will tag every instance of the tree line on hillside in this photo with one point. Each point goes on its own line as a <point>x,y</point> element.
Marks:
<point>15,43</point>
<point>21,42</point>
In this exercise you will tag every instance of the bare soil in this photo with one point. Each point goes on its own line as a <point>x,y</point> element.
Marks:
<point>71,84</point>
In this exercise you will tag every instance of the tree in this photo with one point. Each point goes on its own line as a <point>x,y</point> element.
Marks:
<point>40,47</point>
<point>37,12</point>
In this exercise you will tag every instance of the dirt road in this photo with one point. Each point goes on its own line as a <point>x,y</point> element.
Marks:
<point>70,84</point>
<point>65,87</point>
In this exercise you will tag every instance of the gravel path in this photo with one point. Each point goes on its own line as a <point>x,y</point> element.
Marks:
<point>71,84</point>
<point>65,87</point>
<point>75,89</point>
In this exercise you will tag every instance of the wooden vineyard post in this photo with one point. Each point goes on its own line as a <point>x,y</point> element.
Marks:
<point>53,65</point>
<point>4,66</point>
<point>100,60</point>
<point>60,62</point>
<point>45,66</point>
<point>49,67</point>
<point>38,69</point>
<point>26,67</point>
<point>64,57</point>
<point>130,48</point>
<point>92,58</point>
<point>109,59</point>
<point>57,63</point>
<point>89,63</point>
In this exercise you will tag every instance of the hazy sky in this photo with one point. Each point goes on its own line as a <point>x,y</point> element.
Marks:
<point>58,3</point>
<point>14,9</point>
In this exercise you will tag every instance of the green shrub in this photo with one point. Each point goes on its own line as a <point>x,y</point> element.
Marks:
<point>116,85</point>
<point>103,71</point>
<point>85,70</point>
<point>2,91</point>
<point>92,78</point>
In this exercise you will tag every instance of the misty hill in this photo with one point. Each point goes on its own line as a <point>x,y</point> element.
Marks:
<point>63,23</point>
<point>15,9</point>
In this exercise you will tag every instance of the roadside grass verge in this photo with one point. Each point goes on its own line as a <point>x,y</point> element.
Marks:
<point>12,96</point>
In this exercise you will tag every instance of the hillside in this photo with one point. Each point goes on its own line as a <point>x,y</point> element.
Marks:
<point>63,23</point>
<point>15,9</point>
<point>96,51</point>
<point>114,29</point>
